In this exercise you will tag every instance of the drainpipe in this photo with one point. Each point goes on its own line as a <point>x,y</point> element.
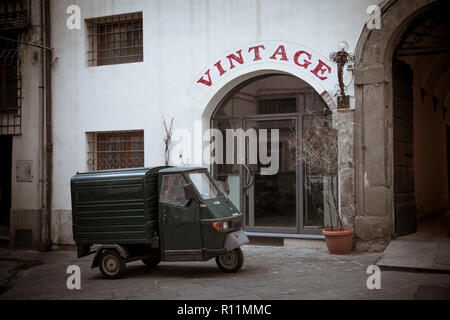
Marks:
<point>48,123</point>
<point>43,220</point>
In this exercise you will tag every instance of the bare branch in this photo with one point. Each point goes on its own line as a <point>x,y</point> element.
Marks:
<point>167,140</point>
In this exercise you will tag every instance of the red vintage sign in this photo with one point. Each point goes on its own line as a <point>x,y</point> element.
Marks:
<point>290,57</point>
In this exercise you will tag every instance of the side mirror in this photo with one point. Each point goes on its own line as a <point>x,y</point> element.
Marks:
<point>225,186</point>
<point>189,192</point>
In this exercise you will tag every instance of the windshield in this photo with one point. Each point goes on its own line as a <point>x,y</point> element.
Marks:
<point>204,185</point>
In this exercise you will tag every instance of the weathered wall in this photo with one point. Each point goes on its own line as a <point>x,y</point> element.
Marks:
<point>26,200</point>
<point>432,75</point>
<point>430,157</point>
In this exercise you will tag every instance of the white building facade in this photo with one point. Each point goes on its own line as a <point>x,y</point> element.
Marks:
<point>120,67</point>
<point>182,43</point>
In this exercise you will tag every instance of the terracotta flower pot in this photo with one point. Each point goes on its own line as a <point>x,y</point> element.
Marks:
<point>339,241</point>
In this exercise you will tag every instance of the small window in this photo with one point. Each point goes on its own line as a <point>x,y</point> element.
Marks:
<point>172,190</point>
<point>277,106</point>
<point>115,39</point>
<point>15,14</point>
<point>115,150</point>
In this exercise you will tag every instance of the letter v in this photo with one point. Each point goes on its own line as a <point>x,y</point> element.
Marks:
<point>206,82</point>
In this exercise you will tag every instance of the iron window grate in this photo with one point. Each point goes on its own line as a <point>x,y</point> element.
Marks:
<point>15,14</point>
<point>115,150</point>
<point>115,39</point>
<point>10,85</point>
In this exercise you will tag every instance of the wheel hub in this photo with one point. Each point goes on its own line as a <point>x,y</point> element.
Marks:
<point>110,264</point>
<point>229,259</point>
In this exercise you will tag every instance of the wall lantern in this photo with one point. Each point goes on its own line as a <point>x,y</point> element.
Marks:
<point>341,58</point>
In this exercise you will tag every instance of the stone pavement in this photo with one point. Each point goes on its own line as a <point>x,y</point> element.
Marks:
<point>428,249</point>
<point>269,273</point>
<point>422,255</point>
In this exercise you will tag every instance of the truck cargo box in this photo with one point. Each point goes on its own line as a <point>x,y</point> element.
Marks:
<point>115,206</point>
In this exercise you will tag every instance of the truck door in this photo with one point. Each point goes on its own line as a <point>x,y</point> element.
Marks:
<point>179,221</point>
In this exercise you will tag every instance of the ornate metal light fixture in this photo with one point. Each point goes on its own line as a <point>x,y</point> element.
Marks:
<point>341,58</point>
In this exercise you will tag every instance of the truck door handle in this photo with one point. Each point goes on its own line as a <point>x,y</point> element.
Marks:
<point>164,218</point>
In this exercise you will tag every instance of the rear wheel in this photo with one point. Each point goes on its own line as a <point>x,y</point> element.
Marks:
<point>111,264</point>
<point>230,261</point>
<point>151,262</point>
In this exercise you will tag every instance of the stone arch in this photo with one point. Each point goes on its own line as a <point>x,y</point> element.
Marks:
<point>374,221</point>
<point>217,93</point>
<point>342,120</point>
<point>214,98</point>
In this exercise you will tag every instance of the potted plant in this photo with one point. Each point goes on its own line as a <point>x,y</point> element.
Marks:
<point>318,151</point>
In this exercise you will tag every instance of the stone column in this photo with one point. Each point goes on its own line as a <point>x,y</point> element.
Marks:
<point>373,222</point>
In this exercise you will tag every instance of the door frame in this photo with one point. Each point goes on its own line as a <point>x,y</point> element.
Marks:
<point>195,254</point>
<point>405,210</point>
<point>298,178</point>
<point>300,101</point>
<point>7,141</point>
<point>447,127</point>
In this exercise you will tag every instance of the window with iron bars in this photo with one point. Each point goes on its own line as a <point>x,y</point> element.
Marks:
<point>115,39</point>
<point>15,14</point>
<point>115,150</point>
<point>9,74</point>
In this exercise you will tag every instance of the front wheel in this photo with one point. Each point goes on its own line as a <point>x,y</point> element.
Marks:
<point>230,261</point>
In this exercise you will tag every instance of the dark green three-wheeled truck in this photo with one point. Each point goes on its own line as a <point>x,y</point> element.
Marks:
<point>153,215</point>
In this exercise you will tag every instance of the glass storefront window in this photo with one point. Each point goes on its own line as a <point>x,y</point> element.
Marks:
<point>318,197</point>
<point>293,200</point>
<point>271,201</point>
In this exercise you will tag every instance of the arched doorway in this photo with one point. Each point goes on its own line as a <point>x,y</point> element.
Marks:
<point>401,122</point>
<point>420,69</point>
<point>288,201</point>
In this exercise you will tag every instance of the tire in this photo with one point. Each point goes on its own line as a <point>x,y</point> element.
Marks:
<point>151,262</point>
<point>230,261</point>
<point>111,264</point>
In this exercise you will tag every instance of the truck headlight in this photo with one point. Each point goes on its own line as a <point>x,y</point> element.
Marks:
<point>220,226</point>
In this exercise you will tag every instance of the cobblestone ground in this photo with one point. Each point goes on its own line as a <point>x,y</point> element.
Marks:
<point>268,273</point>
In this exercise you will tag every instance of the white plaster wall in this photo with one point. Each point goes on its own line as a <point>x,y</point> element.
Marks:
<point>181,38</point>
